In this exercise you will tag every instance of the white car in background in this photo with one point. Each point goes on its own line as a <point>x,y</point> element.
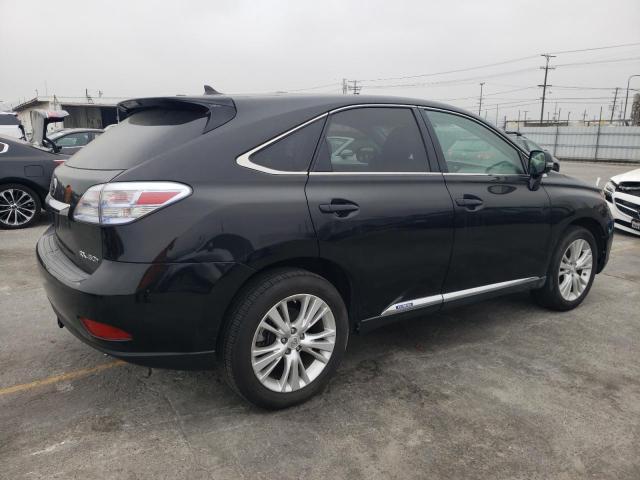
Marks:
<point>622,193</point>
<point>10,126</point>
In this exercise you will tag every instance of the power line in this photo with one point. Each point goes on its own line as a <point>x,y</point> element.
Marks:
<point>598,48</point>
<point>615,60</point>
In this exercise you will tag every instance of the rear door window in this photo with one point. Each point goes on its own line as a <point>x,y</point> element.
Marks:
<point>370,140</point>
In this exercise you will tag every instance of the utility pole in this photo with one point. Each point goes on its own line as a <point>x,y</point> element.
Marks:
<point>613,108</point>
<point>345,86</point>
<point>626,99</point>
<point>480,106</point>
<point>584,116</point>
<point>525,117</point>
<point>355,88</point>
<point>544,85</point>
<point>497,107</point>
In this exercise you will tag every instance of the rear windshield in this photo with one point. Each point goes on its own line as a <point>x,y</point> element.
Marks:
<point>9,120</point>
<point>138,138</point>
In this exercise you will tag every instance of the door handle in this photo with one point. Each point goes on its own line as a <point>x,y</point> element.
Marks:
<point>470,202</point>
<point>341,209</point>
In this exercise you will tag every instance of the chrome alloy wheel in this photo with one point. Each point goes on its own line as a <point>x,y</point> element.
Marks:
<point>575,269</point>
<point>293,343</point>
<point>17,207</point>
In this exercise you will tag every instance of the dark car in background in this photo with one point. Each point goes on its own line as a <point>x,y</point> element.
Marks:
<point>233,227</point>
<point>70,140</point>
<point>529,145</point>
<point>25,173</point>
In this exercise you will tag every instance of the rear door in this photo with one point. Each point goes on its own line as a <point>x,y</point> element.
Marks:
<point>379,210</point>
<point>502,228</point>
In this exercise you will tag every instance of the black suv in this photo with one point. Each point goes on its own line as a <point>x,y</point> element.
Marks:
<point>267,229</point>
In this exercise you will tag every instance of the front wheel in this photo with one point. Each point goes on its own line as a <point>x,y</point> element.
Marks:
<point>571,271</point>
<point>285,337</point>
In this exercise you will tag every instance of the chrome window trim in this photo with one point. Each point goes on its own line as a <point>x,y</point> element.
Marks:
<point>375,173</point>
<point>5,147</point>
<point>422,302</point>
<point>244,160</point>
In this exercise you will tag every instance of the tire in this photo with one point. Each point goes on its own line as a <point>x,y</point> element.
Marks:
<point>553,294</point>
<point>20,206</point>
<point>249,328</point>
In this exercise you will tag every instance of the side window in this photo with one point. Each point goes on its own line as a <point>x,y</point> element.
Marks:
<point>372,140</point>
<point>292,153</point>
<point>468,147</point>
<point>73,140</point>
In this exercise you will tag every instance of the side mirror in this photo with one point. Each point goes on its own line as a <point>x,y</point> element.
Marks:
<point>540,162</point>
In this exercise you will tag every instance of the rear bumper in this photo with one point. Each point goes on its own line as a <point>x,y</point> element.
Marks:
<point>173,311</point>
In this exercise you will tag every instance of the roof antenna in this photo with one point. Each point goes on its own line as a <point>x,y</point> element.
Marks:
<point>209,90</point>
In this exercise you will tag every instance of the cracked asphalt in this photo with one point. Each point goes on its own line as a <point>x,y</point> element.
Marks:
<point>497,390</point>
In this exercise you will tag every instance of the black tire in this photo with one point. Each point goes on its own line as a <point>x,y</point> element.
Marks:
<point>248,310</point>
<point>33,204</point>
<point>549,295</point>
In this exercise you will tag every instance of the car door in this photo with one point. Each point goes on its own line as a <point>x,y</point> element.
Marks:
<point>382,214</point>
<point>502,227</point>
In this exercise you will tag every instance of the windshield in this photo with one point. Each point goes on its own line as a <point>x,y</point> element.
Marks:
<point>9,119</point>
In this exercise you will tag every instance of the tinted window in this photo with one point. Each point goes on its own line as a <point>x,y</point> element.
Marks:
<point>140,137</point>
<point>292,153</point>
<point>74,140</point>
<point>468,147</point>
<point>9,120</point>
<point>372,140</point>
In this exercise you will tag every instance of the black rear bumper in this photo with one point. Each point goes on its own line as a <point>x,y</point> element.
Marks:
<point>173,311</point>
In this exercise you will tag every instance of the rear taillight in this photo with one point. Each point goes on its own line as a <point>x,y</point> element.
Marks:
<point>59,162</point>
<point>105,332</point>
<point>124,202</point>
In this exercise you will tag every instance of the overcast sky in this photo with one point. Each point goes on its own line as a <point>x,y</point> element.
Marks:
<point>144,48</point>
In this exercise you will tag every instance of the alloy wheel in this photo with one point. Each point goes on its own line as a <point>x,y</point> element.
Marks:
<point>17,207</point>
<point>575,269</point>
<point>293,343</point>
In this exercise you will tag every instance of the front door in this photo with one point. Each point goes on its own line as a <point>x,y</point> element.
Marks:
<point>502,228</point>
<point>379,211</point>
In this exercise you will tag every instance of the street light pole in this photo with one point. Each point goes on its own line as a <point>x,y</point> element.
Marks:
<point>626,99</point>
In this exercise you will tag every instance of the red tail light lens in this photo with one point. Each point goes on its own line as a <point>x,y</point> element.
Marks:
<point>59,162</point>
<point>124,202</point>
<point>103,331</point>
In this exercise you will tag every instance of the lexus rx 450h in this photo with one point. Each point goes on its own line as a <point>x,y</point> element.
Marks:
<point>265,230</point>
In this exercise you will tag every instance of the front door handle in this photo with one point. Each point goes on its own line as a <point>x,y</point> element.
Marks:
<point>470,202</point>
<point>340,208</point>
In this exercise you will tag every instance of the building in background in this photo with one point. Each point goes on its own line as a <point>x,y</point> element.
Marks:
<point>84,112</point>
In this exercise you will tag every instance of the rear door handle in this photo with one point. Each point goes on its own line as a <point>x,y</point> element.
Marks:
<point>341,209</point>
<point>470,202</point>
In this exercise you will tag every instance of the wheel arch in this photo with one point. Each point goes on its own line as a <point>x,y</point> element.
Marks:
<point>598,233</point>
<point>27,183</point>
<point>332,272</point>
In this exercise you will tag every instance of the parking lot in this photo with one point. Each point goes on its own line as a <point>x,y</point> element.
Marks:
<point>502,389</point>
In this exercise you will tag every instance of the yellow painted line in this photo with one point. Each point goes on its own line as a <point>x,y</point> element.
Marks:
<point>60,378</point>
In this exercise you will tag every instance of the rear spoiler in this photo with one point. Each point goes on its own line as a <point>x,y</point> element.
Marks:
<point>219,109</point>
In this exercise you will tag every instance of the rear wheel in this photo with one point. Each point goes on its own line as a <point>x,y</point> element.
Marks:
<point>19,206</point>
<point>571,272</point>
<point>286,335</point>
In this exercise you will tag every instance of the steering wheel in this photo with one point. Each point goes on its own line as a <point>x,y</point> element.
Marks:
<point>495,165</point>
